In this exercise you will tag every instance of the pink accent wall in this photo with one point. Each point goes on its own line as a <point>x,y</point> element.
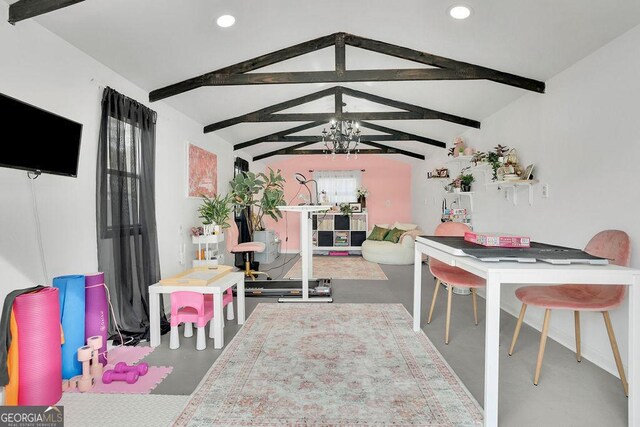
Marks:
<point>388,182</point>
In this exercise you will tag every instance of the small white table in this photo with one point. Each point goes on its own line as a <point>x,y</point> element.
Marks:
<point>497,273</point>
<point>306,253</point>
<point>217,288</point>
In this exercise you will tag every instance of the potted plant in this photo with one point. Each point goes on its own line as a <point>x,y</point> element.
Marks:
<point>261,192</point>
<point>345,209</point>
<point>215,210</point>
<point>465,182</point>
<point>362,194</point>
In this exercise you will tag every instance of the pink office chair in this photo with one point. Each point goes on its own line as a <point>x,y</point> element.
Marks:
<point>611,244</point>
<point>189,307</point>
<point>245,249</point>
<point>453,276</point>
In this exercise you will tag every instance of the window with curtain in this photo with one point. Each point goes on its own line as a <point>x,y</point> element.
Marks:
<point>340,186</point>
<point>126,213</point>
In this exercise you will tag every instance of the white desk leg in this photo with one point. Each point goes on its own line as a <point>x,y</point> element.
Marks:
<point>310,243</point>
<point>492,350</point>
<point>417,289</point>
<point>240,289</point>
<point>218,316</point>
<point>304,253</point>
<point>154,320</point>
<point>634,352</point>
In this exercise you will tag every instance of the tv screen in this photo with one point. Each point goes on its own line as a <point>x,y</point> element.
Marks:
<point>36,140</point>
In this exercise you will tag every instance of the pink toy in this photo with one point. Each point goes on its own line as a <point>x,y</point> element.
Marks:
<point>95,343</point>
<point>130,377</point>
<point>140,368</point>
<point>85,381</point>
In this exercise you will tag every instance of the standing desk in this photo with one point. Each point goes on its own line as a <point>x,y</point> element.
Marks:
<point>498,273</point>
<point>306,253</point>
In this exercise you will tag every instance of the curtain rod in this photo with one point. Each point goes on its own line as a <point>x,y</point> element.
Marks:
<point>361,170</point>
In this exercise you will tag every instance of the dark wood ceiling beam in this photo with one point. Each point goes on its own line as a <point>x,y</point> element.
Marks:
<point>318,138</point>
<point>406,135</point>
<point>426,112</point>
<point>393,150</point>
<point>326,117</point>
<point>469,70</point>
<point>296,152</point>
<point>275,136</point>
<point>340,53</point>
<point>260,115</point>
<point>243,67</point>
<point>25,9</point>
<point>282,151</point>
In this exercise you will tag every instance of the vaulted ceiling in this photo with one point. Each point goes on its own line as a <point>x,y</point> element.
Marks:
<point>155,43</point>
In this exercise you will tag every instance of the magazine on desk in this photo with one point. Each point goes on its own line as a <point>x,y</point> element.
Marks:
<point>551,254</point>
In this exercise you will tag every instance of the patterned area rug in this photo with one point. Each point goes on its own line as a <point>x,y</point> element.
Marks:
<point>341,267</point>
<point>332,364</point>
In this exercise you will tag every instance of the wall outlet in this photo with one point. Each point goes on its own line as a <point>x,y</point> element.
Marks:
<point>545,190</point>
<point>506,193</point>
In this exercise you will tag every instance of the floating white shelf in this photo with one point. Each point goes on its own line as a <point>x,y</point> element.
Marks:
<point>513,185</point>
<point>468,194</point>
<point>460,159</point>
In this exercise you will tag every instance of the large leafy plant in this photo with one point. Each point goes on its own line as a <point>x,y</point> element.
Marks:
<point>262,192</point>
<point>215,210</point>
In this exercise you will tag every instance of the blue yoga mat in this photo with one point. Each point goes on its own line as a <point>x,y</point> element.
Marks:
<point>71,294</point>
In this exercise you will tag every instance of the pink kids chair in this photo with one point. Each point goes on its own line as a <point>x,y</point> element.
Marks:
<point>189,307</point>
<point>453,276</point>
<point>611,244</point>
<point>227,301</point>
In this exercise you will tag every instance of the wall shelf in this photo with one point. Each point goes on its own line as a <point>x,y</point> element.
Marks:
<point>460,159</point>
<point>513,185</point>
<point>468,194</point>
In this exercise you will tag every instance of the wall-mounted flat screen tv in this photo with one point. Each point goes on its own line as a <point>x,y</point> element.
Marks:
<point>36,140</point>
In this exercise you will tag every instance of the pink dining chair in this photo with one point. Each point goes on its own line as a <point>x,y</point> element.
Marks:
<point>245,249</point>
<point>189,307</point>
<point>611,244</point>
<point>453,276</point>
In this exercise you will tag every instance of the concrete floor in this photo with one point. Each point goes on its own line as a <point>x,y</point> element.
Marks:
<point>569,393</point>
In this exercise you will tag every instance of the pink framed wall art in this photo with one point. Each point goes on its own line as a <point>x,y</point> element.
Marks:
<point>203,172</point>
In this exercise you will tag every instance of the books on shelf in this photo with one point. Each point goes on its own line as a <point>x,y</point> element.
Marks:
<point>501,240</point>
<point>341,238</point>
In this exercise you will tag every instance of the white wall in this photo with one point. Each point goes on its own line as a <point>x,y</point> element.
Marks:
<point>584,137</point>
<point>41,69</point>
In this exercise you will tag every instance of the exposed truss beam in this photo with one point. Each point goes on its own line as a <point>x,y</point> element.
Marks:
<point>413,112</point>
<point>294,150</point>
<point>448,69</point>
<point>404,136</point>
<point>25,9</point>
<point>275,136</point>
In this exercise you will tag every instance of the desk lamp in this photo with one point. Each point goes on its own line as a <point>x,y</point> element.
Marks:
<point>303,181</point>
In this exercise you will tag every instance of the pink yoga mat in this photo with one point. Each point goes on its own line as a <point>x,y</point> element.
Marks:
<point>40,356</point>
<point>96,311</point>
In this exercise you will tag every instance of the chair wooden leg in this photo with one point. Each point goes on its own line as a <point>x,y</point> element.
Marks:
<point>433,300</point>
<point>543,343</point>
<point>474,298</point>
<point>576,315</point>
<point>518,326</point>
<point>616,353</point>
<point>446,332</point>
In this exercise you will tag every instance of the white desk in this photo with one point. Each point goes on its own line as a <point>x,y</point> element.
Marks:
<point>497,273</point>
<point>306,253</point>
<point>217,288</point>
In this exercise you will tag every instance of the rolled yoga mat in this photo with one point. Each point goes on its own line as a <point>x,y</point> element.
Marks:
<point>96,311</point>
<point>72,319</point>
<point>38,318</point>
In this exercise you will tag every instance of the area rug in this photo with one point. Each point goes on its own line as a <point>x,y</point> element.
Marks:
<point>340,267</point>
<point>130,356</point>
<point>332,364</point>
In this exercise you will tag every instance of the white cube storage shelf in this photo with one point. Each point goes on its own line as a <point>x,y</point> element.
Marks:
<point>333,231</point>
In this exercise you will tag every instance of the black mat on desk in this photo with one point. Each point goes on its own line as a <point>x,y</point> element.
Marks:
<point>536,252</point>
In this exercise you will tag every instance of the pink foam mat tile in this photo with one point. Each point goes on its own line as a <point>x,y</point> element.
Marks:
<point>144,385</point>
<point>127,354</point>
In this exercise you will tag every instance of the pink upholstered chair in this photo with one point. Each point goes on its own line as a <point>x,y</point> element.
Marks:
<point>245,249</point>
<point>453,276</point>
<point>611,244</point>
<point>189,307</point>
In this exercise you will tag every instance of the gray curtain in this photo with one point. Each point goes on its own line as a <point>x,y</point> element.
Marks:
<point>126,214</point>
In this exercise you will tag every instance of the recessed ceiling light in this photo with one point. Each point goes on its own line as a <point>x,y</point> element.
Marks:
<point>226,21</point>
<point>460,12</point>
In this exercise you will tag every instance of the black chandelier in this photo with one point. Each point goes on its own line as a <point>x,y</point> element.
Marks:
<point>343,138</point>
